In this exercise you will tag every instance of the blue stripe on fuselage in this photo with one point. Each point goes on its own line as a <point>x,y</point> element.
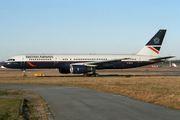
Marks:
<point>66,64</point>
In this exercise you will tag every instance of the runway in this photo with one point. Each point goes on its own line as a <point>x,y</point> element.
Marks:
<point>73,103</point>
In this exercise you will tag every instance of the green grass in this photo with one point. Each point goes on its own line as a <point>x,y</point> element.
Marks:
<point>9,108</point>
<point>3,93</point>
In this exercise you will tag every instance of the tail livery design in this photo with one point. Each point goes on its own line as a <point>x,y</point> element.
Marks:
<point>153,47</point>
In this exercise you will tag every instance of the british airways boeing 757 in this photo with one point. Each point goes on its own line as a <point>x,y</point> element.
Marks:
<point>88,64</point>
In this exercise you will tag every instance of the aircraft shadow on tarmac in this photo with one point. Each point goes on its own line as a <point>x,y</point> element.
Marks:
<point>109,75</point>
<point>112,75</point>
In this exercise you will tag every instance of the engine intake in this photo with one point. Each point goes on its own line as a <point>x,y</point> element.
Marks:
<point>78,69</point>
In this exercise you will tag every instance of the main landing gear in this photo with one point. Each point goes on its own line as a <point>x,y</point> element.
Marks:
<point>90,74</point>
<point>94,74</point>
<point>24,72</point>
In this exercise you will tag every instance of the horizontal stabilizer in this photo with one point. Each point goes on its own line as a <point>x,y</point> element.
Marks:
<point>161,58</point>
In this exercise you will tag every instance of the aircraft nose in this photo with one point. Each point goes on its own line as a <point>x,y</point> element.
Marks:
<point>5,64</point>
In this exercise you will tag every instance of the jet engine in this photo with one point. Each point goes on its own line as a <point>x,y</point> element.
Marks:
<point>78,69</point>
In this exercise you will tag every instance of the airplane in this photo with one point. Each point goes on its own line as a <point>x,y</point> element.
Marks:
<point>89,63</point>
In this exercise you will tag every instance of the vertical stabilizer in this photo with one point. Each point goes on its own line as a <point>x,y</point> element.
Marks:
<point>153,47</point>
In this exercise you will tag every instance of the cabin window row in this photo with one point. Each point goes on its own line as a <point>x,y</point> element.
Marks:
<point>39,59</point>
<point>86,59</point>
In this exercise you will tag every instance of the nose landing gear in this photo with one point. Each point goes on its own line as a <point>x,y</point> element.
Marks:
<point>24,72</point>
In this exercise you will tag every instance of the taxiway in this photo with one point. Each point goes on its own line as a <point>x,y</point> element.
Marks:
<point>74,103</point>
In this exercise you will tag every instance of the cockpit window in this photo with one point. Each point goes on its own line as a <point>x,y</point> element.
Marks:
<point>11,60</point>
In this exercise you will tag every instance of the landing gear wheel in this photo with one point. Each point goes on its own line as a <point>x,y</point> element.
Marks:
<point>93,73</point>
<point>24,75</point>
<point>86,75</point>
<point>97,75</point>
<point>89,75</point>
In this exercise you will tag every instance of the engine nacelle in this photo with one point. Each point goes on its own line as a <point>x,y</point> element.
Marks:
<point>78,69</point>
<point>64,71</point>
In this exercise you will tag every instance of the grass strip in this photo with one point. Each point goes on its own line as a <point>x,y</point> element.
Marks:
<point>9,108</point>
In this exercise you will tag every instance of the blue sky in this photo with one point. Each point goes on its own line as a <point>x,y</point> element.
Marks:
<point>86,26</point>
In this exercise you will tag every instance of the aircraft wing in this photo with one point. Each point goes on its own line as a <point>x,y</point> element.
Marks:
<point>100,63</point>
<point>161,58</point>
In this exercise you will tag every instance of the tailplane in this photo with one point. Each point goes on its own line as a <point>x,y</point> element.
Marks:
<point>153,47</point>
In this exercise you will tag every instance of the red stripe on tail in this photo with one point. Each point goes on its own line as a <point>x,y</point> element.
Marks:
<point>156,51</point>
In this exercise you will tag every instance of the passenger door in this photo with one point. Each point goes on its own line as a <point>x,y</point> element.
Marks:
<point>56,61</point>
<point>23,62</point>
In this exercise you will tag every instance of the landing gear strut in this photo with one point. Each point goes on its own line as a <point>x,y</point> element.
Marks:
<point>24,72</point>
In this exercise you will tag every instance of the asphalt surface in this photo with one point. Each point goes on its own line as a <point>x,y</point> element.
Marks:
<point>73,103</point>
<point>168,72</point>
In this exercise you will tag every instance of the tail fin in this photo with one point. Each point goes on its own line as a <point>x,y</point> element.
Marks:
<point>153,47</point>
